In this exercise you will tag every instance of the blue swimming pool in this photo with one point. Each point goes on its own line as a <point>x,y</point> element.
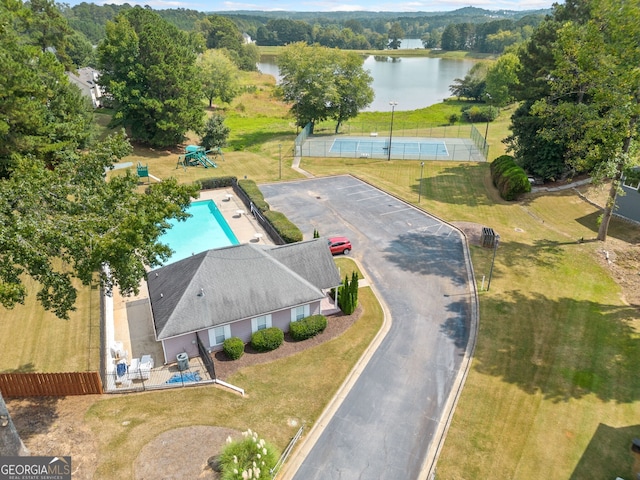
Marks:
<point>204,230</point>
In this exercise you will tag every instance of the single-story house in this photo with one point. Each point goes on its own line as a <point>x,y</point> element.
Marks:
<point>238,290</point>
<point>628,204</point>
<point>87,81</point>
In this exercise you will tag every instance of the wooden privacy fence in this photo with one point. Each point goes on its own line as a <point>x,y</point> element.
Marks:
<point>49,384</point>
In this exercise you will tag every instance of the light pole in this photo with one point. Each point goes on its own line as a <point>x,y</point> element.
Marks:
<point>393,106</point>
<point>420,185</point>
<point>486,131</point>
<point>495,249</point>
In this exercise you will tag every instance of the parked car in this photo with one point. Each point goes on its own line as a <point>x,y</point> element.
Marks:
<point>339,245</point>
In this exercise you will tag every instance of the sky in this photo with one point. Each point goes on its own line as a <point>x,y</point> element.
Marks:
<point>333,5</point>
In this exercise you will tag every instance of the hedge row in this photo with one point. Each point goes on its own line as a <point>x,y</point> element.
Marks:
<point>255,195</point>
<point>307,327</point>
<point>289,232</point>
<point>216,182</point>
<point>510,179</point>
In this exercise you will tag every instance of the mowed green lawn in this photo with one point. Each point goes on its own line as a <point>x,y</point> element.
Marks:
<point>552,391</point>
<point>34,340</point>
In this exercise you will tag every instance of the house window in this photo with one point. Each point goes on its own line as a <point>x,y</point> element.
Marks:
<point>218,335</point>
<point>260,323</point>
<point>298,313</point>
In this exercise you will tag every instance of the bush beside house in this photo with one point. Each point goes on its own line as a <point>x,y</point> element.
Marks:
<point>233,348</point>
<point>267,339</point>
<point>307,327</point>
<point>348,294</point>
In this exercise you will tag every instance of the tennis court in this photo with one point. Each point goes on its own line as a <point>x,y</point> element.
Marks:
<point>402,148</point>
<point>398,147</point>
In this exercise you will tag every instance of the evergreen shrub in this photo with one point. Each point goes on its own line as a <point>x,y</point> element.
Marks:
<point>509,178</point>
<point>289,232</point>
<point>216,182</point>
<point>255,195</point>
<point>267,339</point>
<point>307,327</point>
<point>233,348</point>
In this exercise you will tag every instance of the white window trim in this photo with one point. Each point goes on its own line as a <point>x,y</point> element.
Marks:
<point>254,322</point>
<point>294,312</point>
<point>212,334</point>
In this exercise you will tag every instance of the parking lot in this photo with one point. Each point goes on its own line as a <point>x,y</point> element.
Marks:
<point>391,422</point>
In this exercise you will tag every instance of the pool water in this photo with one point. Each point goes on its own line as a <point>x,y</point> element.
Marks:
<point>204,230</point>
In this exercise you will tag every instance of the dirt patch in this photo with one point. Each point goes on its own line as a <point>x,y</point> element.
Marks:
<point>473,231</point>
<point>55,426</point>
<point>187,452</point>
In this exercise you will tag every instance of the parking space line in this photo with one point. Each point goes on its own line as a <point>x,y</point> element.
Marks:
<point>396,211</point>
<point>369,198</point>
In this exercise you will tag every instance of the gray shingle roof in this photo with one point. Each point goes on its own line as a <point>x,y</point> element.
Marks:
<point>233,283</point>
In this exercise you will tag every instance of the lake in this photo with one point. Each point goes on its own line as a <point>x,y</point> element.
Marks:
<point>411,82</point>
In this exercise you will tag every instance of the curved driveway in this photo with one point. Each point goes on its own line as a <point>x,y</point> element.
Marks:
<point>391,421</point>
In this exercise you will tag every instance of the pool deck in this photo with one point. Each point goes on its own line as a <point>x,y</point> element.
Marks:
<point>132,323</point>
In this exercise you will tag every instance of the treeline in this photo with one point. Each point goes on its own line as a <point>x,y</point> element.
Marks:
<point>470,28</point>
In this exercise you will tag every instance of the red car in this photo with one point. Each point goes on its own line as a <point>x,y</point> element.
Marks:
<point>339,245</point>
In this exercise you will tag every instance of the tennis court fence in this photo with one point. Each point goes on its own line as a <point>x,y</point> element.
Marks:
<point>406,142</point>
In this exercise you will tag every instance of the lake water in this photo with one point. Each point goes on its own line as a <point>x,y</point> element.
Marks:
<point>411,82</point>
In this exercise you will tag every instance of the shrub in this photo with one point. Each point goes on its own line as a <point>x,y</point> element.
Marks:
<point>255,195</point>
<point>454,118</point>
<point>267,339</point>
<point>509,178</point>
<point>251,453</point>
<point>478,114</point>
<point>216,182</point>
<point>288,231</point>
<point>307,327</point>
<point>233,348</point>
<point>348,294</point>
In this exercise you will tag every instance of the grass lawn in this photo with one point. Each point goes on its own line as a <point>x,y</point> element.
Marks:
<point>34,340</point>
<point>552,391</point>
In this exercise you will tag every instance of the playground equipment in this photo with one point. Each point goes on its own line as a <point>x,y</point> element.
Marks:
<point>143,171</point>
<point>195,155</point>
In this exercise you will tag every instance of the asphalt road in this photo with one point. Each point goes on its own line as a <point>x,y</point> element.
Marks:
<point>396,410</point>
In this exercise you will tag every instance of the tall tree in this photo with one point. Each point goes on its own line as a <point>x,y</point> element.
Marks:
<point>66,223</point>
<point>41,115</point>
<point>219,76</point>
<point>316,81</point>
<point>48,29</point>
<point>396,34</point>
<point>149,68</point>
<point>502,77</point>
<point>353,85</point>
<point>588,85</point>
